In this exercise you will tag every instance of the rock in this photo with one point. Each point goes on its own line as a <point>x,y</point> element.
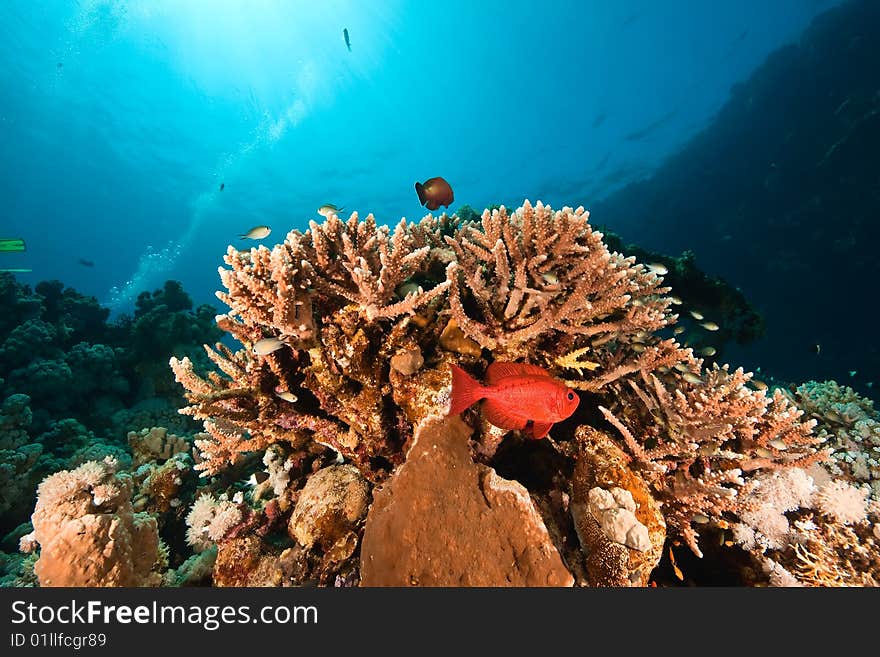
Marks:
<point>246,561</point>
<point>443,520</point>
<point>618,522</point>
<point>614,511</point>
<point>329,509</point>
<point>407,361</point>
<point>453,339</point>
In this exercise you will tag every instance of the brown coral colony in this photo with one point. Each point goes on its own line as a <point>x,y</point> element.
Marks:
<point>369,319</point>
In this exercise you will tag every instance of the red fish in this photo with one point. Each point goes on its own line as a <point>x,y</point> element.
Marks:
<point>434,193</point>
<point>517,396</point>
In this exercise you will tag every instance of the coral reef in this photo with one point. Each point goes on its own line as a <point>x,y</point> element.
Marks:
<point>804,533</point>
<point>155,444</point>
<point>346,297</point>
<point>362,350</point>
<point>704,436</point>
<point>87,380</point>
<point>329,456</point>
<point>19,456</point>
<point>534,276</point>
<point>819,526</point>
<point>89,534</point>
<point>849,427</point>
<point>337,299</point>
<point>780,180</point>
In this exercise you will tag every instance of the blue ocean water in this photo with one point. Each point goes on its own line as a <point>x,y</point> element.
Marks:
<point>120,120</point>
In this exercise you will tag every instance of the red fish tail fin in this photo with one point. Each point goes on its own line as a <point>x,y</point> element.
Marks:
<point>466,391</point>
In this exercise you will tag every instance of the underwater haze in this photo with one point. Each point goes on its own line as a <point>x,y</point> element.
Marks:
<point>627,336</point>
<point>121,120</point>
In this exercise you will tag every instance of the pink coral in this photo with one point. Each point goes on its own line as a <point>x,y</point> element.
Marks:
<point>698,439</point>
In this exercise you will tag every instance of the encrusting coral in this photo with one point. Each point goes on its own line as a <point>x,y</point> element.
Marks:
<point>362,322</point>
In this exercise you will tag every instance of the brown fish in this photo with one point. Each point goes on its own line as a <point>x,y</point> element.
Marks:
<point>434,192</point>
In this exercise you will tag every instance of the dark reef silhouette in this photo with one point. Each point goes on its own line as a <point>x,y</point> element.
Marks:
<point>779,195</point>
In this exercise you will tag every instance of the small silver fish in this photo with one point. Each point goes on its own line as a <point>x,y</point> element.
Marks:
<point>853,372</point>
<point>710,326</point>
<point>328,208</point>
<point>287,396</point>
<point>658,268</point>
<point>678,330</point>
<point>759,385</point>
<point>267,346</point>
<point>256,233</point>
<point>708,351</point>
<point>696,315</point>
<point>675,301</point>
<point>690,377</point>
<point>638,347</point>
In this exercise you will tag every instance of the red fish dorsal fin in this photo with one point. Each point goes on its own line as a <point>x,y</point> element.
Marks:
<point>499,370</point>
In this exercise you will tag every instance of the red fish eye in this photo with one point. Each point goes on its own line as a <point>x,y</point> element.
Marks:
<point>570,395</point>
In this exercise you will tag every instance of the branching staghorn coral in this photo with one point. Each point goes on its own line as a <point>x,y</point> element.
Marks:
<point>536,280</point>
<point>237,411</point>
<point>336,296</point>
<point>345,298</point>
<point>698,436</point>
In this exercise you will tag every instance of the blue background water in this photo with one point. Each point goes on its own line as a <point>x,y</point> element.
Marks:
<point>116,156</point>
